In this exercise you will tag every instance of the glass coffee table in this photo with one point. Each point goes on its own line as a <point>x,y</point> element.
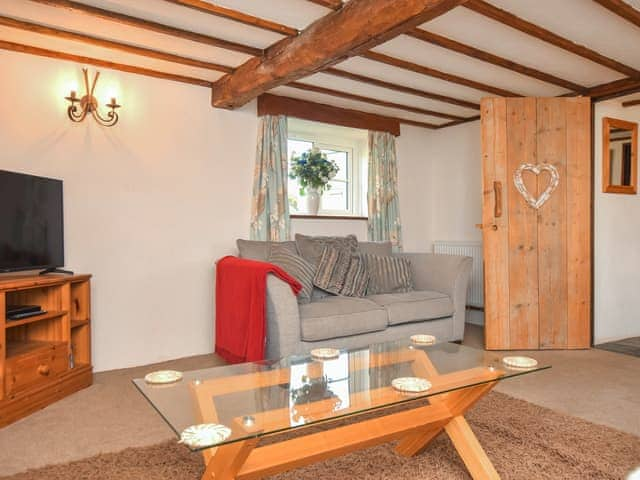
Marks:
<point>253,400</point>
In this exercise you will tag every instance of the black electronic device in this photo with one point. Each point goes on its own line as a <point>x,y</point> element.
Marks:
<point>17,312</point>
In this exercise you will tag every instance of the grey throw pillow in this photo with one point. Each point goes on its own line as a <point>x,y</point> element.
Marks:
<point>356,280</point>
<point>388,274</point>
<point>311,248</point>
<point>298,268</point>
<point>261,250</point>
<point>332,269</point>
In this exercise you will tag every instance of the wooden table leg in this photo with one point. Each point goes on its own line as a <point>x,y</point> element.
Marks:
<point>228,460</point>
<point>470,450</point>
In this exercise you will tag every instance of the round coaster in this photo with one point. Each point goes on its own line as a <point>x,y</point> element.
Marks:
<point>325,353</point>
<point>520,362</point>
<point>162,377</point>
<point>423,339</point>
<point>411,384</point>
<point>204,435</point>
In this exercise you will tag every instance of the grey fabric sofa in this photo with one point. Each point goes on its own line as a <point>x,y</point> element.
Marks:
<point>436,306</point>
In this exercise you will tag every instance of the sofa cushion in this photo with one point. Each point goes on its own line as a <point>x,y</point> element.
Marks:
<point>298,268</point>
<point>382,249</point>
<point>261,250</point>
<point>334,317</point>
<point>332,269</point>
<point>414,306</point>
<point>311,248</point>
<point>388,274</point>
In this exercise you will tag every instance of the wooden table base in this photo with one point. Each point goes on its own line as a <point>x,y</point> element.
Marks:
<point>415,428</point>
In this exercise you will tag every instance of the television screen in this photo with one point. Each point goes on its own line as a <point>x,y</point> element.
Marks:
<point>31,228</point>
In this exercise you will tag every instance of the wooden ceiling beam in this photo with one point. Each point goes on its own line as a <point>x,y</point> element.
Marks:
<point>99,42</point>
<point>517,23</point>
<point>459,122</point>
<point>236,16</point>
<point>613,89</point>
<point>374,101</point>
<point>151,26</point>
<point>43,52</point>
<point>631,103</point>
<point>432,72</point>
<point>332,4</point>
<point>622,9</point>
<point>401,88</point>
<point>358,26</point>
<point>453,45</point>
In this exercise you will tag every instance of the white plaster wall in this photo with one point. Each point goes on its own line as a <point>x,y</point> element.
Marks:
<point>617,250</point>
<point>152,202</point>
<point>149,204</point>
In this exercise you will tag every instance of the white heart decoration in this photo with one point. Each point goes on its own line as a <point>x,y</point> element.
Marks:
<point>537,169</point>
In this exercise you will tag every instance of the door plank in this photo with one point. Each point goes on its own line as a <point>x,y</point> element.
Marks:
<point>578,222</point>
<point>495,230</point>
<point>523,226</point>
<point>552,231</point>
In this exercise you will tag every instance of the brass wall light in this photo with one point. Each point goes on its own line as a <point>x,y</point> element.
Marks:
<point>89,104</point>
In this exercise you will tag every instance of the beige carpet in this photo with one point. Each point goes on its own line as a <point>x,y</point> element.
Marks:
<point>523,440</point>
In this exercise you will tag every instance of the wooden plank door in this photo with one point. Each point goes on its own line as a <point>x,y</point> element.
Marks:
<point>537,261</point>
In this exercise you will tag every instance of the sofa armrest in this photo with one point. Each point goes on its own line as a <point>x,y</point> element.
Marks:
<point>446,274</point>
<point>283,319</point>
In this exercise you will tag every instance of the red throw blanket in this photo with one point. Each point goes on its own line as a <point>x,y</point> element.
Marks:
<point>241,299</point>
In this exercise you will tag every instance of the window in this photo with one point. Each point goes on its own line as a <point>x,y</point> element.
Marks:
<point>347,192</point>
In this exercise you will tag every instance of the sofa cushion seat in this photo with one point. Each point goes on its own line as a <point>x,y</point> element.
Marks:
<point>333,317</point>
<point>414,306</point>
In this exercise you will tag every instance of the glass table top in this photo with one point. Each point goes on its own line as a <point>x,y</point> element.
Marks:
<point>256,399</point>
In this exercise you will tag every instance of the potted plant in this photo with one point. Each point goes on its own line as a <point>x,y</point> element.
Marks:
<point>314,171</point>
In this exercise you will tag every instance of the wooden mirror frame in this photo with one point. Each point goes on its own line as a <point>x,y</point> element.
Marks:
<point>607,187</point>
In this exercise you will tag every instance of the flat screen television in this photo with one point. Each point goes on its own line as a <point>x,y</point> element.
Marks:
<point>31,225</point>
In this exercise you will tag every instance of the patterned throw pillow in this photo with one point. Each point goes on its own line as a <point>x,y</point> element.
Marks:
<point>298,268</point>
<point>357,278</point>
<point>388,274</point>
<point>311,248</point>
<point>341,273</point>
<point>332,269</point>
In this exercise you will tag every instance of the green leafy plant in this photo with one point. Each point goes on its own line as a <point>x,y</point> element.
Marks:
<point>313,170</point>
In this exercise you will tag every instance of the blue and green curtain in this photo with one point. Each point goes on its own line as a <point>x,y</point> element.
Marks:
<point>270,208</point>
<point>382,195</point>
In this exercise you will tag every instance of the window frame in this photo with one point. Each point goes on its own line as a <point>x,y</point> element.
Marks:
<point>354,171</point>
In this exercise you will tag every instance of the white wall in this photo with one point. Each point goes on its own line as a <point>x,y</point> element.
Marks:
<point>153,201</point>
<point>147,202</point>
<point>617,248</point>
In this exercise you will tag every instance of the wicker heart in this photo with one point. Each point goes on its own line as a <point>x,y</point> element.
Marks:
<point>554,179</point>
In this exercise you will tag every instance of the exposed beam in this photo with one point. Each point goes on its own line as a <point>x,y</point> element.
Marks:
<point>236,16</point>
<point>373,101</point>
<point>99,42</point>
<point>473,52</point>
<point>332,4</point>
<point>459,122</point>
<point>43,52</point>
<point>151,26</point>
<point>401,88</point>
<point>613,89</point>
<point>358,26</point>
<point>432,72</point>
<point>623,9</point>
<point>513,21</point>
<point>631,103</point>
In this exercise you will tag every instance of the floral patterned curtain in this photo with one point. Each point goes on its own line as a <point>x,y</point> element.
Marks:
<point>270,208</point>
<point>382,195</point>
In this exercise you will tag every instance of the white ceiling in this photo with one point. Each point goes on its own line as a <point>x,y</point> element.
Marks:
<point>582,21</point>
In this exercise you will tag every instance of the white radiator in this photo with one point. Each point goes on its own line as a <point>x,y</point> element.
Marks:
<point>475,296</point>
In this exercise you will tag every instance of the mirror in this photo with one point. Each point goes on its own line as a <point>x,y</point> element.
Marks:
<point>619,156</point>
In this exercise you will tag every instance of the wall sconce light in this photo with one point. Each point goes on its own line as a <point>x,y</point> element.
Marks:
<point>89,104</point>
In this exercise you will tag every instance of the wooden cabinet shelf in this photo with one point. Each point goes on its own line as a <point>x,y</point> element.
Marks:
<point>79,323</point>
<point>48,356</point>
<point>36,318</point>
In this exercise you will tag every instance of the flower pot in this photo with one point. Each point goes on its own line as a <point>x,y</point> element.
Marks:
<point>313,201</point>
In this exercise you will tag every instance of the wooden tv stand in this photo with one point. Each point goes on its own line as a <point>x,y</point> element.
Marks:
<point>35,352</point>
